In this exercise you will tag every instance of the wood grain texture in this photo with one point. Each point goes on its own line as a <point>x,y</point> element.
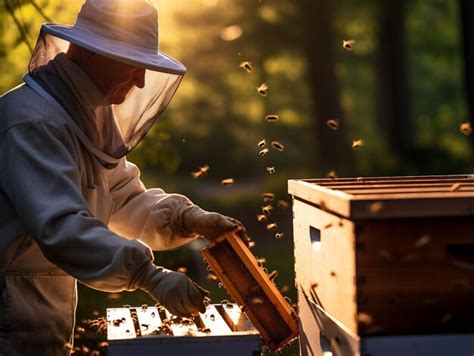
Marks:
<point>238,270</point>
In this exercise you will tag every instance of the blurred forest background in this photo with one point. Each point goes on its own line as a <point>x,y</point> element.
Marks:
<point>360,88</point>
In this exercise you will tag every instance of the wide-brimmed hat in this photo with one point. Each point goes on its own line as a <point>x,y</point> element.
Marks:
<point>124,30</point>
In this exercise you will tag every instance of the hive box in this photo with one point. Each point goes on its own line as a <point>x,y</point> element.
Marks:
<point>223,329</point>
<point>385,256</point>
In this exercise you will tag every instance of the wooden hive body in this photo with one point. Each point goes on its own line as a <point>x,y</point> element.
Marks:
<point>388,256</point>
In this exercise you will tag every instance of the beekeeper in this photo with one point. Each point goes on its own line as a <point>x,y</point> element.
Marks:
<point>71,205</point>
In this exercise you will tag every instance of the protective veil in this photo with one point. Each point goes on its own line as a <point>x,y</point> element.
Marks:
<point>115,129</point>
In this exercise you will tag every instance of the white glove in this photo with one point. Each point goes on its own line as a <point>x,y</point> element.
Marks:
<point>191,219</point>
<point>174,290</point>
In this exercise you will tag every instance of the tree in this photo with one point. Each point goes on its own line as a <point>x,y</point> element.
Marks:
<point>332,147</point>
<point>467,29</point>
<point>393,102</point>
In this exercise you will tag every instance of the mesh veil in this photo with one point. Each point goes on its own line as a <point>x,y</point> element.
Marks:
<point>117,128</point>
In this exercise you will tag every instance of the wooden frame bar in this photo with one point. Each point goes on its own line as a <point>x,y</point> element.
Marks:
<point>252,289</point>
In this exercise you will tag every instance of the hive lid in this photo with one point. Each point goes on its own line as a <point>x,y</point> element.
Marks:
<point>389,197</point>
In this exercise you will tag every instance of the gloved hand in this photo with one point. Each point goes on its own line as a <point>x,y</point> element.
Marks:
<point>174,290</point>
<point>192,219</point>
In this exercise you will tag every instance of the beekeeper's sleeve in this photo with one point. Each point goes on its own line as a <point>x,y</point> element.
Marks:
<point>39,175</point>
<point>145,214</point>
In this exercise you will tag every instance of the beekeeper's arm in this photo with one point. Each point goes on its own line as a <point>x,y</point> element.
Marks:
<point>159,219</point>
<point>40,177</point>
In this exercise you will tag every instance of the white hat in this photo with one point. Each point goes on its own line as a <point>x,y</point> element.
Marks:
<point>124,30</point>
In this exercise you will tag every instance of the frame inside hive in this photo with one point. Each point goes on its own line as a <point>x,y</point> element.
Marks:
<point>252,289</point>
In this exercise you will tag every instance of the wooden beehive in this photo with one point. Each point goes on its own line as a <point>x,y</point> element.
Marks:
<point>221,329</point>
<point>239,272</point>
<point>388,256</point>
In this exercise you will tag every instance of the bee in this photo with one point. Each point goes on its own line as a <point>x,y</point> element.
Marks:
<point>268,196</point>
<point>262,89</point>
<point>272,118</point>
<point>211,277</point>
<point>271,226</point>
<point>356,144</point>
<point>365,318</point>
<point>256,300</point>
<point>267,209</point>
<point>197,174</point>
<point>277,145</point>
<point>80,330</point>
<point>202,171</point>
<point>261,217</point>
<point>273,275</point>
<point>422,241</point>
<point>283,204</point>
<point>347,44</point>
<point>279,235</point>
<point>333,124</point>
<point>251,244</point>
<point>227,181</point>
<point>466,128</point>
<point>271,169</point>
<point>376,207</point>
<point>331,174</point>
<point>247,66</point>
<point>262,143</point>
<point>263,152</point>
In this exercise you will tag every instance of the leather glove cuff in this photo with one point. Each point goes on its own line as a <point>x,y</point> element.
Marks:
<point>148,277</point>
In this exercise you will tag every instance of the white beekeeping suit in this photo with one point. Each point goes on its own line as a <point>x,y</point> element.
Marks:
<point>71,206</point>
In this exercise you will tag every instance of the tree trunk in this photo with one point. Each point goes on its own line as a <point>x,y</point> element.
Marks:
<point>466,8</point>
<point>332,147</point>
<point>393,101</point>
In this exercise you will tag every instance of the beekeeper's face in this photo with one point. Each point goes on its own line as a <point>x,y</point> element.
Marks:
<point>113,78</point>
<point>117,79</point>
